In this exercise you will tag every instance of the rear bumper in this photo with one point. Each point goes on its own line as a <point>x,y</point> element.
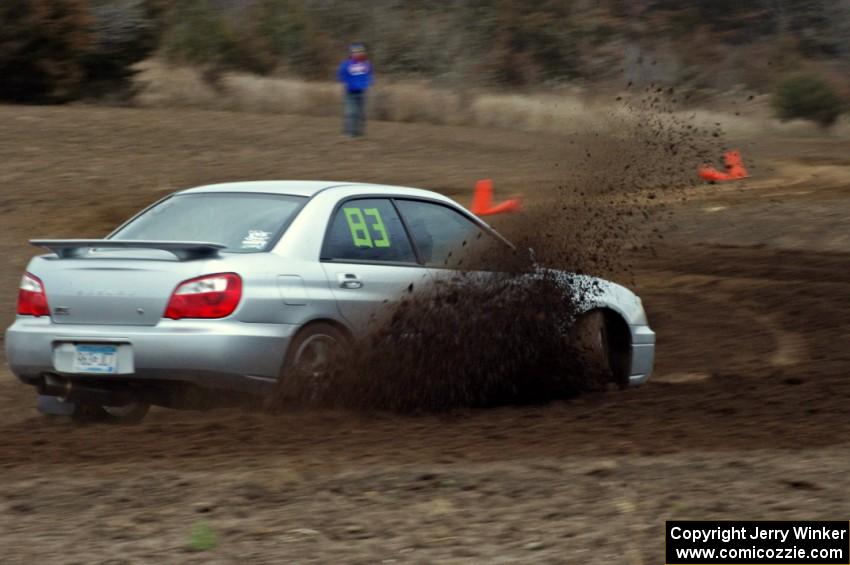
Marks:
<point>208,353</point>
<point>643,354</point>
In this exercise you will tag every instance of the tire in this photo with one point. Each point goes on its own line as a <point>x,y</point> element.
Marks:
<point>85,412</point>
<point>129,414</point>
<point>312,355</point>
<point>591,346</point>
<point>126,415</point>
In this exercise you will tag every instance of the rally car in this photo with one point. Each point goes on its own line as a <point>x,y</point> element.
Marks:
<point>231,287</point>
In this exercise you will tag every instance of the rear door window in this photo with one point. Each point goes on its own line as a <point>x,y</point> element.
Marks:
<point>245,223</point>
<point>367,229</point>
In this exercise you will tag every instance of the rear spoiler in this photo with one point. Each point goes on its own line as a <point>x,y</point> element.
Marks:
<point>183,250</point>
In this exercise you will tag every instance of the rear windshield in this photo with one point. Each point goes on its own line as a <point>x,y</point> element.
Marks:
<point>245,223</point>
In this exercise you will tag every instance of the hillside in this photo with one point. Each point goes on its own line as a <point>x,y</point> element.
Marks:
<point>57,50</point>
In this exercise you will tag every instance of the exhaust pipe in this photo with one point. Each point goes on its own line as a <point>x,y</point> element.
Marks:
<point>54,385</point>
<point>70,391</point>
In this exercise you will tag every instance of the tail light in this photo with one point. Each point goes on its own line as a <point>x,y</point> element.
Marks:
<point>210,296</point>
<point>32,300</point>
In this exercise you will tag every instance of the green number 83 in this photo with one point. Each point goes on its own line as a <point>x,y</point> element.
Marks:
<point>360,231</point>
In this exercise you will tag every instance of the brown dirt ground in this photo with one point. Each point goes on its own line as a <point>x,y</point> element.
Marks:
<point>747,417</point>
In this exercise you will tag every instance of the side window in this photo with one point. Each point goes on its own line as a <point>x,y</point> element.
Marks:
<point>367,230</point>
<point>444,237</point>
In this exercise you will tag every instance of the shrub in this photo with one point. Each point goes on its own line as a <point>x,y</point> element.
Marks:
<point>260,36</point>
<point>42,48</point>
<point>197,34</point>
<point>807,97</point>
<point>532,42</point>
<point>58,50</point>
<point>123,33</point>
<point>287,37</point>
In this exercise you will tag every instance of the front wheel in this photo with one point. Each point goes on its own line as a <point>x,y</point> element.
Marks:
<point>591,345</point>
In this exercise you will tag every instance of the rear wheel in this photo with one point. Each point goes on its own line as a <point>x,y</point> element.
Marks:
<point>85,412</point>
<point>131,413</point>
<point>311,357</point>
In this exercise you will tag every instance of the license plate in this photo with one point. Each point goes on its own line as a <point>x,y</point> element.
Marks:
<point>102,359</point>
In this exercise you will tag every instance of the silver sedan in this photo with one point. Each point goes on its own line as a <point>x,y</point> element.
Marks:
<point>229,287</point>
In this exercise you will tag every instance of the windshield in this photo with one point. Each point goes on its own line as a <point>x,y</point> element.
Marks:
<point>245,223</point>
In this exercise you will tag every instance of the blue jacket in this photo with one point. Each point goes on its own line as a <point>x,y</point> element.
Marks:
<point>355,75</point>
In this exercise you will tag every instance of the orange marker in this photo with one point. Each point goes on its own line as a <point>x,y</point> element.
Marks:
<point>734,167</point>
<point>482,200</point>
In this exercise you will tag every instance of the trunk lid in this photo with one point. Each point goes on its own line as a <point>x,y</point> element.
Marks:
<point>113,287</point>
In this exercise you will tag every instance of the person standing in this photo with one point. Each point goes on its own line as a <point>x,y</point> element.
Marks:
<point>355,73</point>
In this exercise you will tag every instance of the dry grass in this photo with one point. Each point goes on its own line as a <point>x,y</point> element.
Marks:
<point>562,111</point>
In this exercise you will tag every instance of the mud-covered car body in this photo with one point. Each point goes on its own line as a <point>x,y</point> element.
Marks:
<point>209,286</point>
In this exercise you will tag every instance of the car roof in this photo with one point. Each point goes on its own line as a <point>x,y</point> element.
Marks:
<point>309,188</point>
<point>306,188</point>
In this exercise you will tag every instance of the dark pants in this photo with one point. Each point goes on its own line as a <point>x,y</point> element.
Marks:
<point>355,113</point>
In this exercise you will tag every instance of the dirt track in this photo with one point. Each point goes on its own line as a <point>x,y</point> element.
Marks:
<point>747,416</point>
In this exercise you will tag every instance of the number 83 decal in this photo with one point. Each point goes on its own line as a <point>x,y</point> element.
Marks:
<point>373,234</point>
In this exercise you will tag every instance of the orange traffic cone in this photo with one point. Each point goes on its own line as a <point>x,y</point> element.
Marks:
<point>735,169</point>
<point>735,165</point>
<point>482,200</point>
<point>711,174</point>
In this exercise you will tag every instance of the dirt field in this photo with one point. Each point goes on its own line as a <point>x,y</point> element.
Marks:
<point>746,418</point>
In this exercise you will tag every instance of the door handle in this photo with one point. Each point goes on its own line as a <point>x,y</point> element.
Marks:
<point>349,281</point>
